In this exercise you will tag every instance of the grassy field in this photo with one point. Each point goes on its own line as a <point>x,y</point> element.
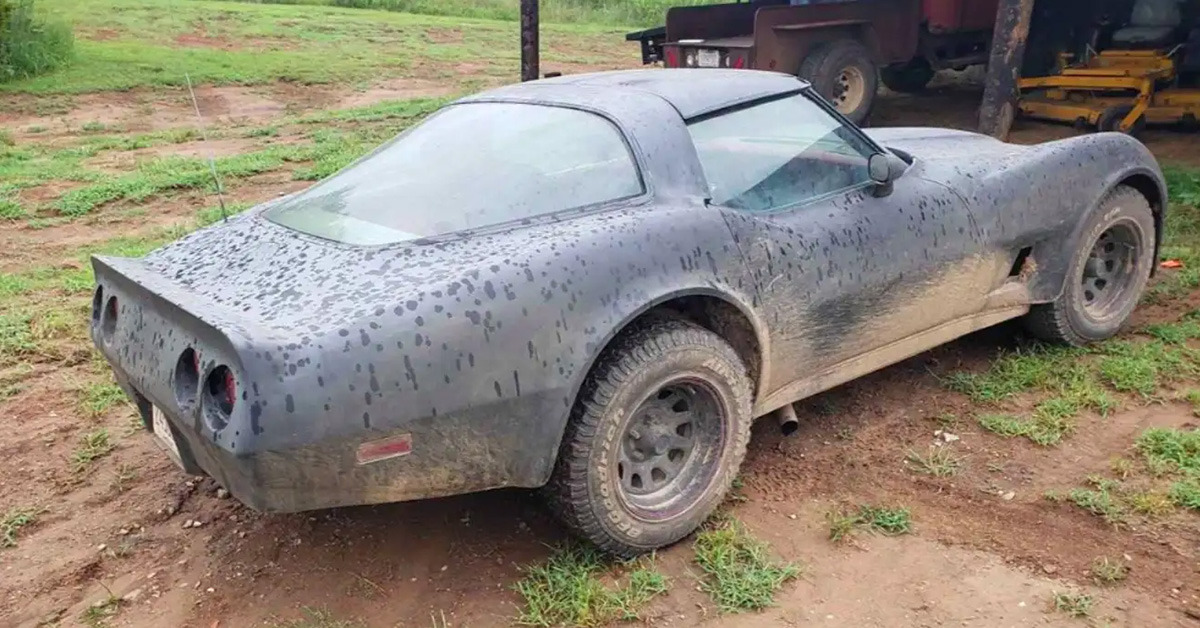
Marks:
<point>620,12</point>
<point>123,44</point>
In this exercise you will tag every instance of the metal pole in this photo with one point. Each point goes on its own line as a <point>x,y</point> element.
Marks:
<point>529,40</point>
<point>1004,67</point>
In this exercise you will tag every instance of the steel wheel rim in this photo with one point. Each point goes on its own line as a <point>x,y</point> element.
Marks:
<point>849,89</point>
<point>1110,271</point>
<point>669,449</point>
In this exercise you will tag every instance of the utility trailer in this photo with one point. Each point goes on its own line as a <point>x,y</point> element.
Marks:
<point>843,48</point>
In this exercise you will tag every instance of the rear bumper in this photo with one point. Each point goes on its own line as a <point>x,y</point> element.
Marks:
<point>449,456</point>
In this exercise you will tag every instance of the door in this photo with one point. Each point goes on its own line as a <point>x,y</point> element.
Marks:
<point>840,272</point>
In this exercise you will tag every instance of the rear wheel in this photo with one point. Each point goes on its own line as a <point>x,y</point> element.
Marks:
<point>842,72</point>
<point>1108,272</point>
<point>907,78</point>
<point>655,439</point>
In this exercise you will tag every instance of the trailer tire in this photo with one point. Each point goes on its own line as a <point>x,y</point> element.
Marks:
<point>907,78</point>
<point>842,71</point>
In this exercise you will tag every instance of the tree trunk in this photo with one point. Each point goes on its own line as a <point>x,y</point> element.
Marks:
<point>1004,67</point>
<point>529,40</point>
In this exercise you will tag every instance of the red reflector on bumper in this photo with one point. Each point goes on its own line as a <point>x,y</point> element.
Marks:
<point>384,448</point>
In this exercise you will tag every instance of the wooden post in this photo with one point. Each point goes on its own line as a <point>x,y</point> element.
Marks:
<point>529,40</point>
<point>1004,67</point>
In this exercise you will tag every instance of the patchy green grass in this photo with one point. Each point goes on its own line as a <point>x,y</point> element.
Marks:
<point>1106,570</point>
<point>936,461</point>
<point>387,110</point>
<point>316,618</point>
<point>97,615</point>
<point>1183,185</point>
<point>739,573</point>
<point>92,446</point>
<point>169,173</point>
<point>1178,449</point>
<point>1038,368</point>
<point>1101,501</point>
<point>13,521</point>
<point>97,397</point>
<point>1073,604</point>
<point>885,520</point>
<point>1186,493</point>
<point>1150,503</point>
<point>16,338</point>
<point>1142,367</point>
<point>568,590</point>
<point>343,136</point>
<point>1192,396</point>
<point>1047,426</point>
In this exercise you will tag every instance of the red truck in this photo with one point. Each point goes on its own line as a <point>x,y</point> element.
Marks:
<point>843,48</point>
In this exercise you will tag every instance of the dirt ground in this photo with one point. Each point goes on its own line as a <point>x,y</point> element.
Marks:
<point>987,550</point>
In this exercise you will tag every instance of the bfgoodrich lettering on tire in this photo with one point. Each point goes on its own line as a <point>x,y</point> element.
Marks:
<point>655,438</point>
<point>1108,272</point>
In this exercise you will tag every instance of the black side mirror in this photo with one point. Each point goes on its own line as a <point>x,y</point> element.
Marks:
<point>884,169</point>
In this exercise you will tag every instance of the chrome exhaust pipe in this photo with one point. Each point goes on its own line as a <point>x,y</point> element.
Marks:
<point>788,421</point>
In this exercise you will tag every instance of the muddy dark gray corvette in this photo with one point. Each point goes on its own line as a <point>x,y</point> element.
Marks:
<point>594,283</point>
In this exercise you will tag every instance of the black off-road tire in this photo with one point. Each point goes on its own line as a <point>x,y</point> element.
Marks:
<point>908,78</point>
<point>1110,120</point>
<point>826,68</point>
<point>1066,320</point>
<point>585,491</point>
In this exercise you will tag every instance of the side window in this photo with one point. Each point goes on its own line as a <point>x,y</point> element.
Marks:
<point>778,154</point>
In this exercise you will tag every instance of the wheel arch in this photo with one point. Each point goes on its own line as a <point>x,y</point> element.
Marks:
<point>719,312</point>
<point>1156,193</point>
<point>1052,255</point>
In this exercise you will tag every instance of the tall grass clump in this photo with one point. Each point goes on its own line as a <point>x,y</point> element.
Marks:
<point>30,45</point>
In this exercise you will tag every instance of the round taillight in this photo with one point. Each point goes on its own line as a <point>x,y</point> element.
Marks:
<point>187,377</point>
<point>220,395</point>
<point>108,320</point>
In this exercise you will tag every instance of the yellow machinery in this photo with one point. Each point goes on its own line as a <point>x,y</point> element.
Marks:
<point>1135,80</point>
<point>1115,90</point>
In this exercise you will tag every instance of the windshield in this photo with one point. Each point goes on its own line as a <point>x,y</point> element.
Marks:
<point>469,166</point>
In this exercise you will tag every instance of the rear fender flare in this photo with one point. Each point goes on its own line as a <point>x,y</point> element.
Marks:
<point>1052,256</point>
<point>589,362</point>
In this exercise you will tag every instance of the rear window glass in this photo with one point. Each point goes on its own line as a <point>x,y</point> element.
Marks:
<point>469,166</point>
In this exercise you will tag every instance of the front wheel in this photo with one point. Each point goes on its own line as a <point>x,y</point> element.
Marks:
<point>654,440</point>
<point>842,72</point>
<point>1107,274</point>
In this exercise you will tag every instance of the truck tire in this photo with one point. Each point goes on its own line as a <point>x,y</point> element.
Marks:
<point>842,72</point>
<point>907,78</point>
<point>654,440</point>
<point>1107,273</point>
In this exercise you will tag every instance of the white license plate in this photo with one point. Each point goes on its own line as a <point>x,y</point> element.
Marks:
<point>709,58</point>
<point>162,432</point>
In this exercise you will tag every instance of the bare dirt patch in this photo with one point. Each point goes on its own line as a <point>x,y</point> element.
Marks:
<point>221,42</point>
<point>396,89</point>
<point>444,35</point>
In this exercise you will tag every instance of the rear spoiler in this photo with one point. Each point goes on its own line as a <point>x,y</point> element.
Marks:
<point>652,40</point>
